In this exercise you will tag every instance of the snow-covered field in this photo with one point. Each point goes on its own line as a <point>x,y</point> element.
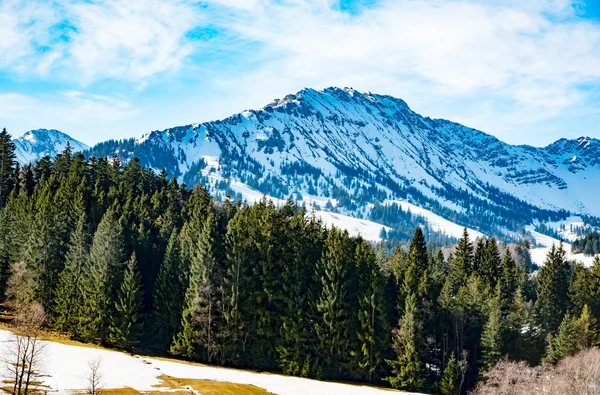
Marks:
<point>538,255</point>
<point>66,369</point>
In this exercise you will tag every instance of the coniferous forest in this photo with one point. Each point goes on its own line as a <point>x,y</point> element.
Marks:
<point>121,256</point>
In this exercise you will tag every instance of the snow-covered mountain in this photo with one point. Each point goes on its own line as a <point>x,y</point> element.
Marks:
<point>35,144</point>
<point>352,149</point>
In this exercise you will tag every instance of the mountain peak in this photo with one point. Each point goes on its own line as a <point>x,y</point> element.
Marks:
<point>37,143</point>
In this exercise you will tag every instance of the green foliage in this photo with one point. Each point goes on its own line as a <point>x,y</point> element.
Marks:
<point>449,381</point>
<point>491,339</point>
<point>407,366</point>
<point>553,287</point>
<point>125,325</point>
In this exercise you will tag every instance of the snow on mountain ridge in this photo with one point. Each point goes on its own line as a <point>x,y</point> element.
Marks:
<point>35,144</point>
<point>360,147</point>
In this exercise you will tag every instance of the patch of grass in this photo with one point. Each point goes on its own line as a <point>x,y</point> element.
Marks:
<point>208,387</point>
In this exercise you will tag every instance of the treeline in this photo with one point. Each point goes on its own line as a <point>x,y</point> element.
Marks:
<point>121,256</point>
<point>589,245</point>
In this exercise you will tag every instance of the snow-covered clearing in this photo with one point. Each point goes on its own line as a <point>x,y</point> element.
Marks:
<point>538,255</point>
<point>436,222</point>
<point>66,367</point>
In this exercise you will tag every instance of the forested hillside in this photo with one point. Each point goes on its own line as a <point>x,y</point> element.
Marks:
<point>119,255</point>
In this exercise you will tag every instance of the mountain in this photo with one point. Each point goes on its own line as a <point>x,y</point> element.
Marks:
<point>35,144</point>
<point>354,149</point>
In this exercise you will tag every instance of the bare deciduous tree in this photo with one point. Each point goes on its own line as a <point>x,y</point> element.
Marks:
<point>94,377</point>
<point>24,355</point>
<point>463,366</point>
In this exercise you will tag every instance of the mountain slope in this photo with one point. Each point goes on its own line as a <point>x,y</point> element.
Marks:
<point>35,144</point>
<point>353,149</point>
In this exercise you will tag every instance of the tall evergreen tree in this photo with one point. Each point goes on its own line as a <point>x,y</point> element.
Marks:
<point>7,166</point>
<point>491,339</point>
<point>508,280</point>
<point>168,294</point>
<point>462,261</point>
<point>579,289</point>
<point>565,343</point>
<point>587,329</point>
<point>553,287</point>
<point>199,313</point>
<point>69,298</point>
<point>490,265</point>
<point>104,277</point>
<point>333,305</point>
<point>407,366</point>
<point>125,323</point>
<point>368,356</point>
<point>449,380</point>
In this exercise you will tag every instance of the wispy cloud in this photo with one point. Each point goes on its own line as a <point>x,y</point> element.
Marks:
<point>497,65</point>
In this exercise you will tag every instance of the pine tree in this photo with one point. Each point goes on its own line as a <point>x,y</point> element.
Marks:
<point>168,294</point>
<point>449,380</point>
<point>491,339</point>
<point>125,324</point>
<point>553,287</point>
<point>69,297</point>
<point>407,366</point>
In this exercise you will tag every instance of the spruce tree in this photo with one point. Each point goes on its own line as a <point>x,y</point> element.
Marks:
<point>579,289</point>
<point>514,339</point>
<point>490,264</point>
<point>508,280</point>
<point>7,166</point>
<point>372,332</point>
<point>594,287</point>
<point>462,261</point>
<point>565,343</point>
<point>333,322</point>
<point>449,380</point>
<point>491,339</point>
<point>70,293</point>
<point>125,323</point>
<point>168,294</point>
<point>553,287</point>
<point>103,278</point>
<point>416,263</point>
<point>407,366</point>
<point>199,313</point>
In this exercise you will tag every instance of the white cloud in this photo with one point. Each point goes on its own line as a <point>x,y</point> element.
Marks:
<point>525,59</point>
<point>130,40</point>
<point>75,106</point>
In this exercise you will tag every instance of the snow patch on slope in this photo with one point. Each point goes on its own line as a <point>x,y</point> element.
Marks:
<point>436,222</point>
<point>538,255</point>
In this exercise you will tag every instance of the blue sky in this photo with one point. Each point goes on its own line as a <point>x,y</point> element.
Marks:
<point>527,72</point>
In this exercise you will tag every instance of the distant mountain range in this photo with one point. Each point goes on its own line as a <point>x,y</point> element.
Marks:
<point>356,152</point>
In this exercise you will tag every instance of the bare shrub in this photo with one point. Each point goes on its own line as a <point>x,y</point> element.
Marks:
<point>511,378</point>
<point>575,375</point>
